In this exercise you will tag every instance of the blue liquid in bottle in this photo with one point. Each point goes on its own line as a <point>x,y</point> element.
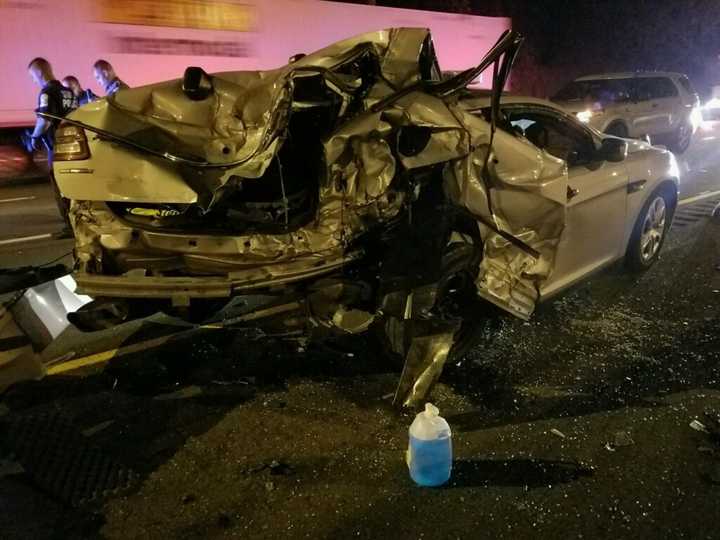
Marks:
<point>431,461</point>
<point>429,455</point>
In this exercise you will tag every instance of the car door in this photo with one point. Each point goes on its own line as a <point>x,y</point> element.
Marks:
<point>666,99</point>
<point>597,194</point>
<point>655,99</point>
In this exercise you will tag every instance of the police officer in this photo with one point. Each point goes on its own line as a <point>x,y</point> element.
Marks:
<point>106,77</point>
<point>54,99</point>
<point>82,96</point>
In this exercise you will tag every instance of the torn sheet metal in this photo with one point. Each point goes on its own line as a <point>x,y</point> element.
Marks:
<point>51,302</point>
<point>528,200</point>
<point>424,362</point>
<point>28,324</point>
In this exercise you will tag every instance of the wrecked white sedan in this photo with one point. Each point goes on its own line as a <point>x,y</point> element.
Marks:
<point>352,191</point>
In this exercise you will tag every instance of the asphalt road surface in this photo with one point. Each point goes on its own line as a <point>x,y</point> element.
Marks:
<point>596,419</point>
<point>28,218</point>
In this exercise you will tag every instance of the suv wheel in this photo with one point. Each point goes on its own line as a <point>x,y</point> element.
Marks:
<point>681,138</point>
<point>649,233</point>
<point>617,129</point>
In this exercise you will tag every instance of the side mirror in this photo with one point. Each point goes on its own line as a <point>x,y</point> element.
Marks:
<point>613,150</point>
<point>197,84</point>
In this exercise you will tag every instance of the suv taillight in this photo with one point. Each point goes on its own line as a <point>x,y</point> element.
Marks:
<point>70,143</point>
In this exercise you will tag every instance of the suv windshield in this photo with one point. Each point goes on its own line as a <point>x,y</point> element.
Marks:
<point>605,90</point>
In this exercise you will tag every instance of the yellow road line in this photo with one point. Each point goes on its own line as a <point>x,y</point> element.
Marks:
<point>99,358</point>
<point>700,197</point>
<point>59,365</point>
<point>25,239</point>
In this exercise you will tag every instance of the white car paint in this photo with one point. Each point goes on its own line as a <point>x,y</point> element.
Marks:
<point>644,110</point>
<point>602,213</point>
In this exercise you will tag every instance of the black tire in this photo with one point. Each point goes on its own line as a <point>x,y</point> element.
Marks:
<point>649,234</point>
<point>617,129</point>
<point>681,138</point>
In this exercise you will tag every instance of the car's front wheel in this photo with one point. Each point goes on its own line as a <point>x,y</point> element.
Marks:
<point>681,138</point>
<point>649,233</point>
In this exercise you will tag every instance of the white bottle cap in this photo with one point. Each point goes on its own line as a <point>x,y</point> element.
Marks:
<point>431,411</point>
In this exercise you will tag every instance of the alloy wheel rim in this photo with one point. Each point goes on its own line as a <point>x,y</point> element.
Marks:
<point>653,229</point>
<point>685,135</point>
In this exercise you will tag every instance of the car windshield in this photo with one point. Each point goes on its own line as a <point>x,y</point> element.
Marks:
<point>612,90</point>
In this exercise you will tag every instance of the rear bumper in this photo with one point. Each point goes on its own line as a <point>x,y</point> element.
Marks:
<point>177,288</point>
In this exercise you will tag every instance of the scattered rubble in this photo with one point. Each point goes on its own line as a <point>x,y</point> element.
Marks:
<point>183,393</point>
<point>622,438</point>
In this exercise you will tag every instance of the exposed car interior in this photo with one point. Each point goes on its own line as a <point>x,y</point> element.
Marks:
<point>553,134</point>
<point>282,199</point>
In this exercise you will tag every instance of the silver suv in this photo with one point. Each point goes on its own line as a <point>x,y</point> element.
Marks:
<point>663,106</point>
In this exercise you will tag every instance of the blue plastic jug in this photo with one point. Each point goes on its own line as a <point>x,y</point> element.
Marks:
<point>429,454</point>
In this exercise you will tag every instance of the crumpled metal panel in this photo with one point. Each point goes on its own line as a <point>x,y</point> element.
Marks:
<point>360,163</point>
<point>424,363</point>
<point>140,178</point>
<point>528,200</point>
<point>244,116</point>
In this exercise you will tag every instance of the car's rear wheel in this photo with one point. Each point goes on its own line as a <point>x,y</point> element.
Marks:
<point>681,138</point>
<point>617,129</point>
<point>649,233</point>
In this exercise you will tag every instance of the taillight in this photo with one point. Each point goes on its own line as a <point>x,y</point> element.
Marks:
<point>70,143</point>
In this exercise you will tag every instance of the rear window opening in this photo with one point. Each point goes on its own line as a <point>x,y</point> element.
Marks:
<point>282,200</point>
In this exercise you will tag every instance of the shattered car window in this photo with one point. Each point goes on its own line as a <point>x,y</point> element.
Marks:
<point>555,135</point>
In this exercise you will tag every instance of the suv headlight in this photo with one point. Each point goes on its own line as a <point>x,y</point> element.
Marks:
<point>585,116</point>
<point>673,168</point>
<point>696,118</point>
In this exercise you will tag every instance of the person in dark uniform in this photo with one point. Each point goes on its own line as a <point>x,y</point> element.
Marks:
<point>82,96</point>
<point>106,77</point>
<point>55,99</point>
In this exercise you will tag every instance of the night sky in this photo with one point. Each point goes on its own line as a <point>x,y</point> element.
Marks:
<point>576,37</point>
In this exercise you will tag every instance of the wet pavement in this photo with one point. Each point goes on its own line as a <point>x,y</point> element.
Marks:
<point>576,424</point>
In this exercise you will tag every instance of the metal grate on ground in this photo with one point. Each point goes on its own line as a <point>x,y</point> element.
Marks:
<point>61,461</point>
<point>692,213</point>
